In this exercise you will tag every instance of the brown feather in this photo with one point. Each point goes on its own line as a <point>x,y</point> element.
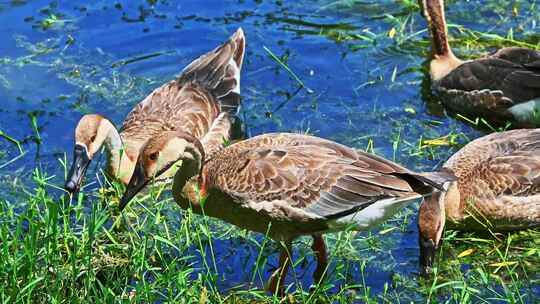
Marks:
<point>488,86</point>
<point>192,103</point>
<point>306,172</point>
<point>499,176</point>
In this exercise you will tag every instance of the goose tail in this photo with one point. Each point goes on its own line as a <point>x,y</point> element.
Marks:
<point>438,180</point>
<point>218,71</point>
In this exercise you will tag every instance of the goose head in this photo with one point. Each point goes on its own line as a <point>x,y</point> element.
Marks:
<point>431,221</point>
<point>159,154</point>
<point>90,133</point>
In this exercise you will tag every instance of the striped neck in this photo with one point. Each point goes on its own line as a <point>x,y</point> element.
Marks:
<point>444,61</point>
<point>434,13</point>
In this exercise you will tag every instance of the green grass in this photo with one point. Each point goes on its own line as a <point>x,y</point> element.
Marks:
<point>57,249</point>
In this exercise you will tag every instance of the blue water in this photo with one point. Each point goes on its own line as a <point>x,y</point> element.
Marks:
<point>366,91</point>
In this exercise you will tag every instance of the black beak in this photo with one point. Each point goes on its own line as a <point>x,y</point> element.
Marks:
<point>136,183</point>
<point>427,255</point>
<point>78,169</point>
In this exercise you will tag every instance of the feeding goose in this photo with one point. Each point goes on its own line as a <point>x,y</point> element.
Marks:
<point>202,101</point>
<point>497,189</point>
<point>283,184</point>
<point>502,86</point>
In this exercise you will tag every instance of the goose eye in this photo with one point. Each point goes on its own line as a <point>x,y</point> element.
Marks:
<point>153,156</point>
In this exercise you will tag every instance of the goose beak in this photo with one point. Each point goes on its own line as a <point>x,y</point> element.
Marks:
<point>427,255</point>
<point>78,169</point>
<point>136,183</point>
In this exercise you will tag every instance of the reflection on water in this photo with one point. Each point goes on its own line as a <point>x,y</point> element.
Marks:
<point>61,59</point>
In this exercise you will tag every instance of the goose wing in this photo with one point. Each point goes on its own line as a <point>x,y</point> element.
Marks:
<point>499,163</point>
<point>320,177</point>
<point>206,87</point>
<point>521,56</point>
<point>218,72</point>
<point>219,135</point>
<point>513,74</point>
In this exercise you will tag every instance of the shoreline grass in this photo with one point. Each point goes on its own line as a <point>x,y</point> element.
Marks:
<point>60,250</point>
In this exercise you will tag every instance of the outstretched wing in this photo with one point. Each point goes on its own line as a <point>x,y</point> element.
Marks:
<point>218,72</point>
<point>206,87</point>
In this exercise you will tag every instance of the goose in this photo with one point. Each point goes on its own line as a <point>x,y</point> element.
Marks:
<point>282,184</point>
<point>497,189</point>
<point>503,86</point>
<point>202,101</point>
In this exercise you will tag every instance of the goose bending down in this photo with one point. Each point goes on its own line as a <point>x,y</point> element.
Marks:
<point>503,86</point>
<point>202,101</point>
<point>283,184</point>
<point>497,188</point>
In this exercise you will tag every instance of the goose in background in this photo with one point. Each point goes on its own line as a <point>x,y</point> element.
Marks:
<point>497,189</point>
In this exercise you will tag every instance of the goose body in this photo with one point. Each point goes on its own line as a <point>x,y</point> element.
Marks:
<point>302,185</point>
<point>497,188</point>
<point>284,185</point>
<point>502,86</point>
<point>202,101</point>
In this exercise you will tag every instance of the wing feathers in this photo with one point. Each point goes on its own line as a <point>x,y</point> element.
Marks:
<point>320,177</point>
<point>499,163</point>
<point>206,87</point>
<point>384,181</point>
<point>350,184</point>
<point>514,72</point>
<point>218,71</point>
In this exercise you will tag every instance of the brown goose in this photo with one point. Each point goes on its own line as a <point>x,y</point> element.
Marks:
<point>497,188</point>
<point>202,101</point>
<point>283,184</point>
<point>503,86</point>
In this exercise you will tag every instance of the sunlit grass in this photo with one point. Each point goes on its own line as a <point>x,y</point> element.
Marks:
<point>56,248</point>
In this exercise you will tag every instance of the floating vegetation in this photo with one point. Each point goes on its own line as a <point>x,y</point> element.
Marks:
<point>137,59</point>
<point>286,67</point>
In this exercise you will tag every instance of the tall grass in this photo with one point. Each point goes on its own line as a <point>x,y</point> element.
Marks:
<point>60,249</point>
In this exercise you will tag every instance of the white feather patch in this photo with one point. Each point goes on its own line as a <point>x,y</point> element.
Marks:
<point>527,111</point>
<point>375,214</point>
<point>233,64</point>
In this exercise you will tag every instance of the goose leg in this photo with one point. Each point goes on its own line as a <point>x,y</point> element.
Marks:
<point>319,248</point>
<point>277,279</point>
